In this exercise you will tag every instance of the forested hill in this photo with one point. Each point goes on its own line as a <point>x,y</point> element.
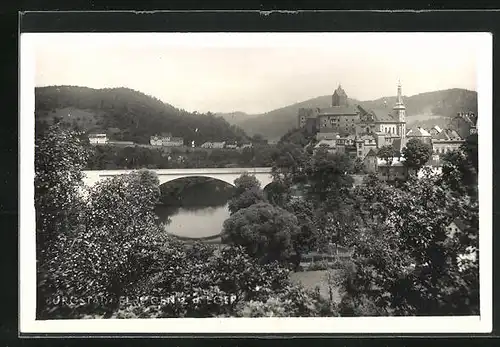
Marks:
<point>433,107</point>
<point>128,115</point>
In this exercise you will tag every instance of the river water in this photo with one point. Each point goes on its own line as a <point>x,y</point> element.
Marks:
<point>194,207</point>
<point>193,221</point>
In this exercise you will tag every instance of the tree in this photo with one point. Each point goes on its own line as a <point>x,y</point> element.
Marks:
<point>306,239</point>
<point>358,166</point>
<point>246,182</point>
<point>246,193</point>
<point>404,261</point>
<point>459,173</point>
<point>416,154</point>
<point>470,147</point>
<point>327,175</point>
<point>278,193</point>
<point>265,231</point>
<point>245,199</point>
<point>59,159</point>
<point>288,164</point>
<point>115,245</point>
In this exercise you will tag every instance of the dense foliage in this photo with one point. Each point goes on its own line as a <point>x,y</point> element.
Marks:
<point>416,154</point>
<point>109,157</point>
<point>104,246</point>
<point>265,231</point>
<point>113,260</point>
<point>405,261</point>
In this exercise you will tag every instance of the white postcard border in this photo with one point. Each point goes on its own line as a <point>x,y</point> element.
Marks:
<point>393,325</point>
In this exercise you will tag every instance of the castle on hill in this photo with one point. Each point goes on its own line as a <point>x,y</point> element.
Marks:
<point>360,132</point>
<point>356,126</point>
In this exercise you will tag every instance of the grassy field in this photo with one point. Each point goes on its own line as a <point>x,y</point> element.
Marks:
<point>313,279</point>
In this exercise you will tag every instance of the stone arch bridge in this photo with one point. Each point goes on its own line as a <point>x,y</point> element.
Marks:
<point>228,175</point>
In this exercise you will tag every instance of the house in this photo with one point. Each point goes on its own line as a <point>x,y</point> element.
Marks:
<point>231,145</point>
<point>447,140</point>
<point>174,142</point>
<point>246,145</point>
<point>420,134</point>
<point>218,144</point>
<point>456,226</point>
<point>434,130</point>
<point>98,139</point>
<point>365,144</point>
<point>370,161</point>
<point>392,171</point>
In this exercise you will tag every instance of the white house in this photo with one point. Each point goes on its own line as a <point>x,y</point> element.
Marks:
<point>218,144</point>
<point>166,141</point>
<point>98,139</point>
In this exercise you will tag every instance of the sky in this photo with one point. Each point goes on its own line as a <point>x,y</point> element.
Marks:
<point>259,72</point>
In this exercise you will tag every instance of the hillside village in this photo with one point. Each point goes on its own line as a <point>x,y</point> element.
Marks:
<point>369,134</point>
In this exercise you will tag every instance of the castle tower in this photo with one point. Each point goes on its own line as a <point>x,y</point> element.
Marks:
<point>399,111</point>
<point>339,97</point>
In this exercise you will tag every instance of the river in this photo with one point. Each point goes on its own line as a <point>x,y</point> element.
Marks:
<point>194,207</point>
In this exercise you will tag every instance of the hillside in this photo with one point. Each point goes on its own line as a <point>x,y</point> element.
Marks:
<point>128,115</point>
<point>422,109</point>
<point>235,118</point>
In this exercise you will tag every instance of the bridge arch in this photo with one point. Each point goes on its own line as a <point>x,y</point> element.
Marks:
<point>227,175</point>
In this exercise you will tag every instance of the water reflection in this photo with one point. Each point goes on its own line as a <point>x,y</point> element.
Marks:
<point>193,221</point>
<point>194,207</point>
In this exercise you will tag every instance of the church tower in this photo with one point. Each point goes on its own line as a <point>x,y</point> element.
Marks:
<point>399,113</point>
<point>339,97</point>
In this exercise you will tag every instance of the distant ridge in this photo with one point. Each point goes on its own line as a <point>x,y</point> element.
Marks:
<point>436,106</point>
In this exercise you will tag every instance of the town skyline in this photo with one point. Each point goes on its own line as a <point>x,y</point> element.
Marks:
<point>234,77</point>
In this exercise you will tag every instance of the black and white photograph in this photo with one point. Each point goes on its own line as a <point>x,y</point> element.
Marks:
<point>260,182</point>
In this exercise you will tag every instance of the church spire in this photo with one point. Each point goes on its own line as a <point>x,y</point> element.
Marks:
<point>400,98</point>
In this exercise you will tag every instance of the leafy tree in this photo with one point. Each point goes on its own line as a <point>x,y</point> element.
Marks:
<point>358,166</point>
<point>459,174</point>
<point>297,137</point>
<point>405,262</point>
<point>278,193</point>
<point>416,154</point>
<point>327,175</point>
<point>288,164</point>
<point>114,246</point>
<point>470,147</point>
<point>59,159</point>
<point>306,239</point>
<point>245,199</point>
<point>265,231</point>
<point>246,182</point>
<point>293,302</point>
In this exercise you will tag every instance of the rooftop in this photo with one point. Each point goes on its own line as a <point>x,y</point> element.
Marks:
<point>328,143</point>
<point>418,132</point>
